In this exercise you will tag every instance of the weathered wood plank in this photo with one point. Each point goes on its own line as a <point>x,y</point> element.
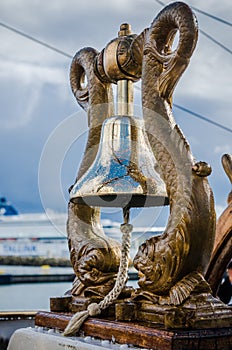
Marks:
<point>143,336</point>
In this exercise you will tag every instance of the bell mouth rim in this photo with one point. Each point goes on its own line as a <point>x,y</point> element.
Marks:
<point>121,200</point>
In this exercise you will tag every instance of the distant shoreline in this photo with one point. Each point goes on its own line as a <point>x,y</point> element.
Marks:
<point>34,261</point>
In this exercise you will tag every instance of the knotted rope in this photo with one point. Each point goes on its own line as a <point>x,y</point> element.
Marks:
<point>95,309</point>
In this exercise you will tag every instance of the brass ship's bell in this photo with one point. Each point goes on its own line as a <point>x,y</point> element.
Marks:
<point>123,173</point>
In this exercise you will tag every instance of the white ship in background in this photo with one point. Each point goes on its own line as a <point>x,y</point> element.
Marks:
<point>42,235</point>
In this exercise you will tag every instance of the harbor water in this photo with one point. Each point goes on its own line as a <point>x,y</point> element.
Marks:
<point>34,296</point>
<point>31,296</point>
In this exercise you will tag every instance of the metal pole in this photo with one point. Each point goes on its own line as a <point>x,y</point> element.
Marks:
<point>125,97</point>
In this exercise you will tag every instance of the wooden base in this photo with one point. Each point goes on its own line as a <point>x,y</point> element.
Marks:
<point>143,336</point>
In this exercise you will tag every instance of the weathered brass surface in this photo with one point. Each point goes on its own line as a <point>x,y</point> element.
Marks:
<point>121,58</point>
<point>173,291</point>
<point>222,251</point>
<point>122,174</point>
<point>164,261</point>
<point>227,165</point>
<point>95,258</point>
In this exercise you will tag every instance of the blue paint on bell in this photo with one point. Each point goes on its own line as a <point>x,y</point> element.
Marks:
<point>123,173</point>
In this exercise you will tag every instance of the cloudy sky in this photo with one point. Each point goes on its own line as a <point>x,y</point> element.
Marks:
<point>42,129</point>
